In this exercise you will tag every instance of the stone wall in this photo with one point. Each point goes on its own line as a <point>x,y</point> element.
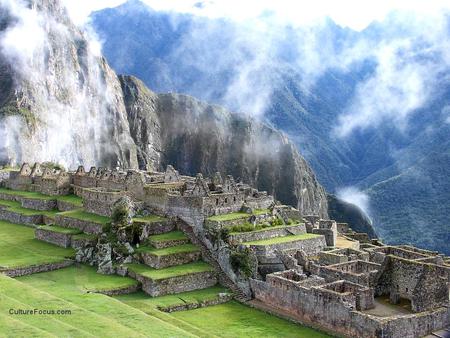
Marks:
<point>160,262</point>
<point>312,246</point>
<point>82,225</point>
<point>38,204</point>
<point>424,284</point>
<point>318,308</point>
<point>29,270</point>
<point>17,218</point>
<point>266,233</point>
<point>176,284</point>
<point>53,237</point>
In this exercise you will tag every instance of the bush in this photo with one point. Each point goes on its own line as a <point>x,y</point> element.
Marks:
<point>241,262</point>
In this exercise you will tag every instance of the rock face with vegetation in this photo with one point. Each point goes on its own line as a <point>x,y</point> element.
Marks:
<point>342,211</point>
<point>62,102</point>
<point>197,137</point>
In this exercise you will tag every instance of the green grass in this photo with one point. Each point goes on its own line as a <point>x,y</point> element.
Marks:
<point>84,236</point>
<point>144,302</point>
<point>169,236</point>
<point>233,319</point>
<point>72,199</point>
<point>19,248</point>
<point>16,207</point>
<point>260,229</point>
<point>27,194</point>
<point>61,230</point>
<point>85,216</point>
<point>184,248</point>
<point>173,271</point>
<point>258,212</point>
<point>229,217</point>
<point>149,219</point>
<point>92,315</point>
<point>285,239</point>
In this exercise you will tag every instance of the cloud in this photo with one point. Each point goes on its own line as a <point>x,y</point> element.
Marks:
<point>60,83</point>
<point>409,65</point>
<point>355,14</point>
<point>355,196</point>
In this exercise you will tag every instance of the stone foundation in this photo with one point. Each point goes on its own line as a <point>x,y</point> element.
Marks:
<point>266,234</point>
<point>178,284</point>
<point>53,237</point>
<point>160,262</point>
<point>29,270</point>
<point>82,225</point>
<point>14,217</point>
<point>38,204</point>
<point>190,306</point>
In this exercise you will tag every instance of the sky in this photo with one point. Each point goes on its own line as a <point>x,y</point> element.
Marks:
<point>355,14</point>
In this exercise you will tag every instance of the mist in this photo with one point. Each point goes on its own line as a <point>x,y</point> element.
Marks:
<point>61,89</point>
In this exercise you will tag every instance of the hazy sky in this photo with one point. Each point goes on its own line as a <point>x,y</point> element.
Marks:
<point>356,14</point>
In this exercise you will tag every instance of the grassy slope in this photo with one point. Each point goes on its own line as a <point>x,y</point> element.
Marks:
<point>172,271</point>
<point>236,320</point>
<point>284,239</point>
<point>169,236</point>
<point>145,303</point>
<point>16,207</point>
<point>19,248</point>
<point>94,313</point>
<point>184,248</point>
<point>61,230</point>
<point>86,216</point>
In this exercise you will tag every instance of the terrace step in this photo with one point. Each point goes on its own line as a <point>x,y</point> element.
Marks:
<point>176,279</point>
<point>171,256</point>
<point>267,233</point>
<point>308,242</point>
<point>82,240</point>
<point>56,235</point>
<point>167,240</point>
<point>79,219</point>
<point>153,225</point>
<point>12,211</point>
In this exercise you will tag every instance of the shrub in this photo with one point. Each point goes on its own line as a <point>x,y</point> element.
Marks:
<point>241,261</point>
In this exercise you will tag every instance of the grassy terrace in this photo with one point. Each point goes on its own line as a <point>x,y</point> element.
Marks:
<point>85,216</point>
<point>145,303</point>
<point>19,248</point>
<point>229,217</point>
<point>27,194</point>
<point>61,230</point>
<point>92,315</point>
<point>174,271</point>
<point>261,230</point>
<point>149,219</point>
<point>84,236</point>
<point>285,239</point>
<point>72,199</point>
<point>233,319</point>
<point>184,248</point>
<point>169,236</point>
<point>16,207</point>
<point>236,215</point>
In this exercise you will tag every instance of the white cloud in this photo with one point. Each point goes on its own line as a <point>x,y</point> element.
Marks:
<point>355,14</point>
<point>354,196</point>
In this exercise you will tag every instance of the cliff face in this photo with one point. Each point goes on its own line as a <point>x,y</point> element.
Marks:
<point>197,137</point>
<point>60,101</point>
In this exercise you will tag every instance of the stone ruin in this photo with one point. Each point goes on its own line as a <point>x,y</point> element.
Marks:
<point>336,280</point>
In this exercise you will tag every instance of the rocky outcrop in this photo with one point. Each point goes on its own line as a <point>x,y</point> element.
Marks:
<point>198,137</point>
<point>342,211</point>
<point>60,101</point>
